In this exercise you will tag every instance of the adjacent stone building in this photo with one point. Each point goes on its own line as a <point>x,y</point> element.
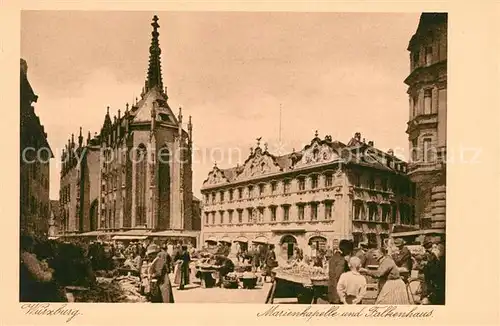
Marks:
<point>427,90</point>
<point>325,192</point>
<point>134,177</point>
<point>35,155</point>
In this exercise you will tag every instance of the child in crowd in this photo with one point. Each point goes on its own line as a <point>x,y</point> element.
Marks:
<point>351,286</point>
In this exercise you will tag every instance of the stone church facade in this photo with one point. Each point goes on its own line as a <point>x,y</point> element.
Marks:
<point>136,174</point>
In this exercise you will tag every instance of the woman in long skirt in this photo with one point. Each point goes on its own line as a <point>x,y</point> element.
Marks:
<point>161,288</point>
<point>391,288</point>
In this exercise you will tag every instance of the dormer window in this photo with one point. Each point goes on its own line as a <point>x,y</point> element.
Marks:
<point>163,117</point>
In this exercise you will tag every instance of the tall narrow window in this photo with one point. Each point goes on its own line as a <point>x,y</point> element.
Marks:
<point>230,216</point>
<point>261,189</point>
<point>372,212</point>
<point>302,184</point>
<point>213,217</point>
<point>372,182</point>
<point>301,212</point>
<point>314,211</point>
<point>240,216</point>
<point>207,218</point>
<point>240,193</point>
<point>416,59</point>
<point>230,194</point>
<point>286,186</point>
<point>222,196</point>
<point>328,180</point>
<point>386,210</point>
<point>428,101</point>
<point>273,213</point>
<point>314,182</point>
<point>163,216</point>
<point>260,216</point>
<point>274,186</point>
<point>250,191</point>
<point>221,215</point>
<point>328,210</point>
<point>428,154</point>
<point>141,185</point>
<point>414,150</point>
<point>359,211</point>
<point>428,56</point>
<point>286,213</point>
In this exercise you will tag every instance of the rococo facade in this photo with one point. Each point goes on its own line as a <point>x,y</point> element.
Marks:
<point>326,192</point>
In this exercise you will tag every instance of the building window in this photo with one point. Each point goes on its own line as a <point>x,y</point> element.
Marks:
<point>428,56</point>
<point>230,194</point>
<point>386,211</point>
<point>372,212</point>
<point>414,150</point>
<point>328,210</point>
<point>427,101</point>
<point>251,217</point>
<point>301,212</point>
<point>428,150</point>
<point>213,217</point>
<point>230,216</point>
<point>221,215</point>
<point>314,211</point>
<point>302,184</point>
<point>240,216</point>
<point>207,198</point>
<point>414,107</point>
<point>372,183</point>
<point>141,185</point>
<point>273,187</point>
<point>286,213</point>
<point>222,196</point>
<point>314,182</point>
<point>213,197</point>
<point>328,180</point>
<point>260,217</point>
<point>359,211</point>
<point>250,190</point>
<point>286,186</point>
<point>261,189</point>
<point>240,193</point>
<point>273,213</point>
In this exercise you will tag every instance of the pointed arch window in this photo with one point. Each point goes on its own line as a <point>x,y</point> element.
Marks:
<point>141,182</point>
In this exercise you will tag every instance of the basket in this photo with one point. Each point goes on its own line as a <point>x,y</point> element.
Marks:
<point>230,283</point>
<point>249,283</point>
<point>319,281</point>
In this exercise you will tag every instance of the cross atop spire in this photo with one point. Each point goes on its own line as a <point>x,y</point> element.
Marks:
<point>154,70</point>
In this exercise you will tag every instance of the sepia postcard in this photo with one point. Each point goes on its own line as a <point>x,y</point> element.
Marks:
<point>277,165</point>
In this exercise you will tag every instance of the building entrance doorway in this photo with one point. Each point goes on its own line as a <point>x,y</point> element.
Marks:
<point>289,243</point>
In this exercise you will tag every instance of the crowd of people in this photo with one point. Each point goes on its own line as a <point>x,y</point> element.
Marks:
<point>391,267</point>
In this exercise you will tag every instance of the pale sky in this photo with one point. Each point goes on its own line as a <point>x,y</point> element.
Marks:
<point>338,73</point>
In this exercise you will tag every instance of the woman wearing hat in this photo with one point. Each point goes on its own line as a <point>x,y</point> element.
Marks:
<point>160,287</point>
<point>391,288</point>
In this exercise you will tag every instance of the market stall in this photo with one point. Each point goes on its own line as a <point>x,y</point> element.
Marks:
<point>298,280</point>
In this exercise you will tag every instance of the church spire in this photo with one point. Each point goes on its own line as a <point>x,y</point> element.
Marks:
<point>154,70</point>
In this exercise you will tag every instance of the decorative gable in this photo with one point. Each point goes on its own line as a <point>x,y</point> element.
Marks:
<point>258,163</point>
<point>215,177</point>
<point>316,153</point>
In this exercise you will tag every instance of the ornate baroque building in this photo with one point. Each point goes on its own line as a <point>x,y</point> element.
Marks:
<point>427,120</point>
<point>135,175</point>
<point>326,192</point>
<point>35,154</point>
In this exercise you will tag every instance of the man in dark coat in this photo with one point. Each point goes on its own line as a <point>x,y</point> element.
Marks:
<point>166,257</point>
<point>361,253</point>
<point>433,289</point>
<point>403,257</point>
<point>186,259</point>
<point>336,266</point>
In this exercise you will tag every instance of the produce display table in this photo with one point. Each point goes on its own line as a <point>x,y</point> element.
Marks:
<point>287,285</point>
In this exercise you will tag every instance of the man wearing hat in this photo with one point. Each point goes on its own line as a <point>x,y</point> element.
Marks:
<point>433,287</point>
<point>361,253</point>
<point>403,257</point>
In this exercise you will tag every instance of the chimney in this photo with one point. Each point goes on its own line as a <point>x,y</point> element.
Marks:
<point>370,143</point>
<point>357,136</point>
<point>390,152</point>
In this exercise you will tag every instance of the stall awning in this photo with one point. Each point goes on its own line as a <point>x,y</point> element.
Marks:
<point>211,238</point>
<point>175,234</point>
<point>129,237</point>
<point>417,232</point>
<point>92,233</point>
<point>261,239</point>
<point>241,239</point>
<point>225,239</point>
